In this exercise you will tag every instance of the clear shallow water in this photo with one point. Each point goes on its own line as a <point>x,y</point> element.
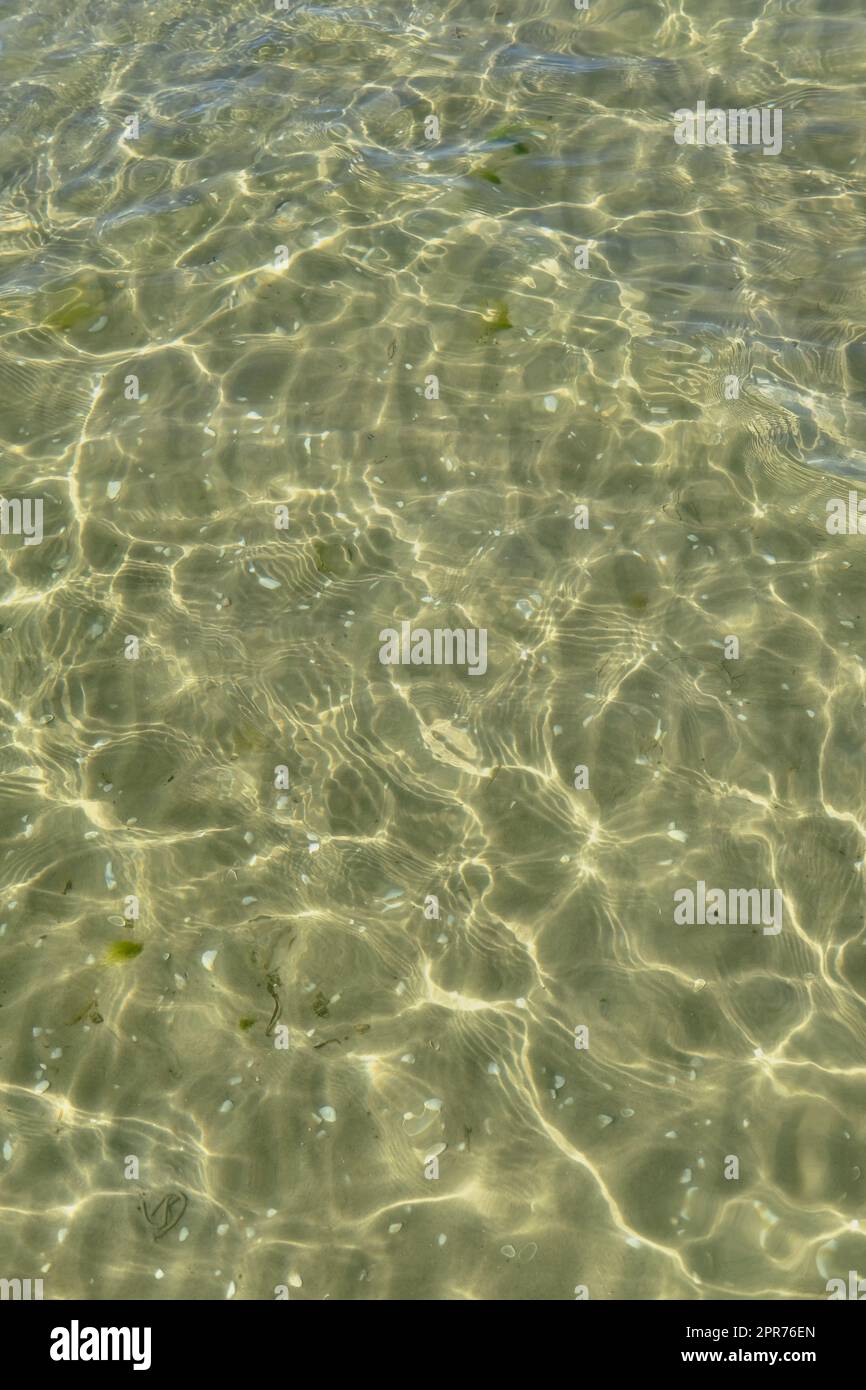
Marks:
<point>304,385</point>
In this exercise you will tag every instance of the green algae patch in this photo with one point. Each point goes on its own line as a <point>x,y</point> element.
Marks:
<point>78,305</point>
<point>245,1024</point>
<point>505,132</point>
<point>249,738</point>
<point>90,1012</point>
<point>320,1005</point>
<point>120,951</point>
<point>511,135</point>
<point>72,315</point>
<point>320,553</point>
<point>333,558</point>
<point>496,318</point>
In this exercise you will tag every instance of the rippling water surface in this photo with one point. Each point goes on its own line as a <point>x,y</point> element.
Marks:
<point>241,270</point>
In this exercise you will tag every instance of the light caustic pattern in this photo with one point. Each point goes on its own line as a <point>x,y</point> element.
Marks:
<point>241,270</point>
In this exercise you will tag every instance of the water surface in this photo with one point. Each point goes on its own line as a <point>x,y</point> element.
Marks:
<point>241,307</point>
